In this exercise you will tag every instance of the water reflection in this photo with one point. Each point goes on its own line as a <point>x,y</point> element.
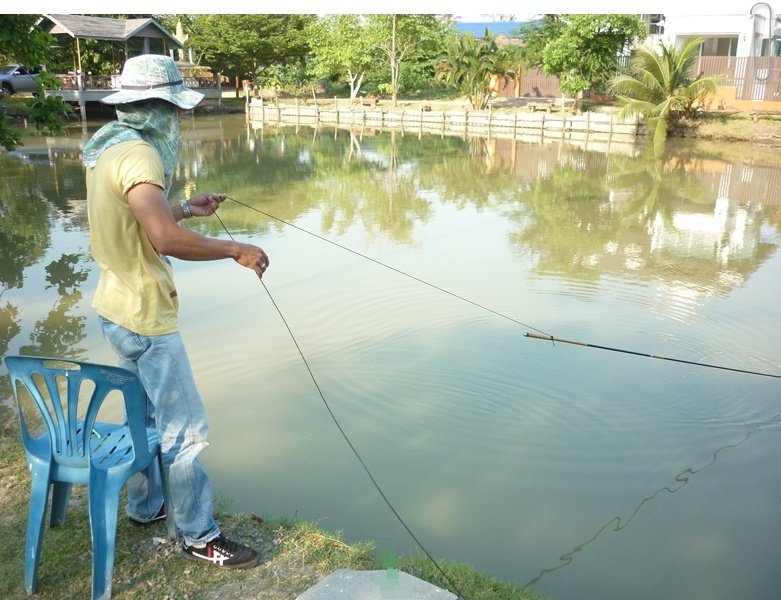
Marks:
<point>9,325</point>
<point>677,257</point>
<point>60,333</point>
<point>618,523</point>
<point>637,217</point>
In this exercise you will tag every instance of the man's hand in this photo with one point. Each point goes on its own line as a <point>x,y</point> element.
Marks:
<point>203,205</point>
<point>253,258</point>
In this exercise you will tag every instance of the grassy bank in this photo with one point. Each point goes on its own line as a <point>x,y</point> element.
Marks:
<point>295,554</point>
<point>764,130</point>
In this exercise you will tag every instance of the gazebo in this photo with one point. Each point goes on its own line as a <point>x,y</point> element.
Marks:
<point>132,37</point>
<point>136,36</point>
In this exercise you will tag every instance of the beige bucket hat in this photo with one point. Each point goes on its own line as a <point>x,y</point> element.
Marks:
<point>153,76</point>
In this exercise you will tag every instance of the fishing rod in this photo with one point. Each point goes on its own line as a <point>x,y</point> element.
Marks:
<point>540,335</point>
<point>347,438</point>
<point>550,338</point>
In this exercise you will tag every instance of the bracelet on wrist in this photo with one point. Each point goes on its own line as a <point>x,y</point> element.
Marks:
<point>186,213</point>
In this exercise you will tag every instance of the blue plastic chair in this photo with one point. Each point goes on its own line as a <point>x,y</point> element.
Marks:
<point>74,448</point>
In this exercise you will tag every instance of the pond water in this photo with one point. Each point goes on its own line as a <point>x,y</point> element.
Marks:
<point>408,269</point>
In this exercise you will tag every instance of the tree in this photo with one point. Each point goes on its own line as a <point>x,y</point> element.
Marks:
<point>23,42</point>
<point>404,38</point>
<point>536,35</point>
<point>660,87</point>
<point>471,63</point>
<point>243,44</point>
<point>581,50</point>
<point>343,45</point>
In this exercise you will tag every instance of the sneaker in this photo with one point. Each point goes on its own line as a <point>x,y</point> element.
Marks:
<point>160,516</point>
<point>224,553</point>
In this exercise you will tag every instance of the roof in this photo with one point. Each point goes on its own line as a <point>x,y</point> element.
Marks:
<point>103,28</point>
<point>506,28</point>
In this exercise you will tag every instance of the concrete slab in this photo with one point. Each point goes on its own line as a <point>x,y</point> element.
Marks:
<point>389,584</point>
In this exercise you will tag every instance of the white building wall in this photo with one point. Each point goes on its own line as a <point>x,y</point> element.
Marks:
<point>735,21</point>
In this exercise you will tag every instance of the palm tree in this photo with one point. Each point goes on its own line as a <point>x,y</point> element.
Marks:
<point>659,86</point>
<point>471,63</point>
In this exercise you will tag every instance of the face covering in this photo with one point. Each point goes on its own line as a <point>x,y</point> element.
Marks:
<point>155,122</point>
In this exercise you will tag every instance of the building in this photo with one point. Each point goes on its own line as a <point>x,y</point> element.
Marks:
<point>742,44</point>
<point>506,29</point>
<point>739,31</point>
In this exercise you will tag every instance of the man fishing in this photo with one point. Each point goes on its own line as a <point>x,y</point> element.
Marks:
<point>133,228</point>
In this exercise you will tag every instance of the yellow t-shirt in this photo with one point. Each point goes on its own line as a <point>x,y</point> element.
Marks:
<point>136,287</point>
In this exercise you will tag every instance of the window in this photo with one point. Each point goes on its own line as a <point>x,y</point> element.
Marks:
<point>775,49</point>
<point>720,46</point>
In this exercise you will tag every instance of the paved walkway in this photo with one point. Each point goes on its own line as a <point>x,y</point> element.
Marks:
<point>390,584</point>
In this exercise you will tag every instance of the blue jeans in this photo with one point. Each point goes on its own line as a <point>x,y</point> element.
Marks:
<point>175,408</point>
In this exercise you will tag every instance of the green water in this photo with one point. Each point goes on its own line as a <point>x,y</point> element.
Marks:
<point>587,473</point>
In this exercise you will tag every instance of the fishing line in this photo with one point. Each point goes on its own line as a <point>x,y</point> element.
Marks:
<point>681,479</point>
<point>542,334</point>
<point>550,338</point>
<point>387,266</point>
<point>346,437</point>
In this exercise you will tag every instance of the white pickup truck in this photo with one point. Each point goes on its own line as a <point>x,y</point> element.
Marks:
<point>16,78</point>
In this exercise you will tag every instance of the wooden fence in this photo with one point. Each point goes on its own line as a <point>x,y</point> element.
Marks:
<point>531,83</point>
<point>486,123</point>
<point>754,78</point>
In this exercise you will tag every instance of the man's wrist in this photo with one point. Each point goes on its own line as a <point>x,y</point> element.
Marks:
<point>185,206</point>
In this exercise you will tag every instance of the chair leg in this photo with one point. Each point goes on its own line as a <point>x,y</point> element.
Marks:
<point>61,492</point>
<point>39,498</point>
<point>170,520</point>
<point>103,510</point>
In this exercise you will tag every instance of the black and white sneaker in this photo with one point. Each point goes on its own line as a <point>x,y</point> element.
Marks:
<point>223,553</point>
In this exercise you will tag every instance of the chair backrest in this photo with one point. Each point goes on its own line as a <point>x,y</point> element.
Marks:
<point>58,386</point>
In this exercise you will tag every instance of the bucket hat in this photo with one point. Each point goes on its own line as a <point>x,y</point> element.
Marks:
<point>153,76</point>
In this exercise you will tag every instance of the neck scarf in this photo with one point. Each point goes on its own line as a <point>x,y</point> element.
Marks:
<point>154,122</point>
